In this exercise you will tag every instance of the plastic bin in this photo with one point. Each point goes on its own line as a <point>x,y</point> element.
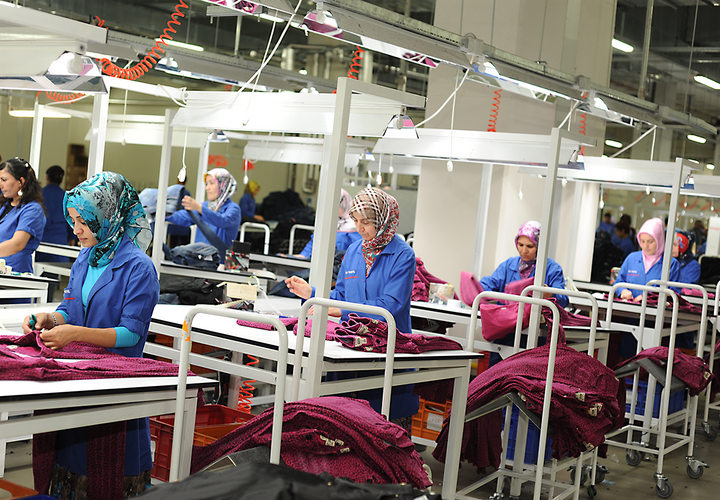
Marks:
<point>428,422</point>
<point>532,444</point>
<point>211,423</point>
<point>19,491</point>
<point>677,399</point>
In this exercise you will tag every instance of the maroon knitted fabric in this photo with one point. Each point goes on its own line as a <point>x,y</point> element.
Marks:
<point>652,300</point>
<point>587,402</point>
<point>693,371</point>
<point>288,322</point>
<point>24,358</point>
<point>341,436</point>
<point>469,287</point>
<point>31,344</point>
<point>365,334</point>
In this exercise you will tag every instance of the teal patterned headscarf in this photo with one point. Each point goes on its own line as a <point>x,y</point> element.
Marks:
<point>110,207</point>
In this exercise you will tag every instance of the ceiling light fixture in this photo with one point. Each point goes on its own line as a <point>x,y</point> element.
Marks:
<point>621,46</point>
<point>322,22</point>
<point>613,144</point>
<point>707,81</point>
<point>29,113</point>
<point>401,127</point>
<point>269,17</point>
<point>600,104</point>
<point>710,166</point>
<point>696,138</point>
<point>181,45</point>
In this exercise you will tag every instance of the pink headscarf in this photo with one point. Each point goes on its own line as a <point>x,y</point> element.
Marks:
<point>531,229</point>
<point>656,229</point>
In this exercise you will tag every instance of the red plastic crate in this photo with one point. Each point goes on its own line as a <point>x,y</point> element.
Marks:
<point>428,421</point>
<point>211,423</point>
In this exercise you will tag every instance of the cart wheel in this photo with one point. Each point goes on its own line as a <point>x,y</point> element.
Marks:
<point>633,457</point>
<point>592,492</point>
<point>711,435</point>
<point>693,474</point>
<point>666,491</point>
<point>583,476</point>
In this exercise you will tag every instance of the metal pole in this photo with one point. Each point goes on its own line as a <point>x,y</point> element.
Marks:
<point>642,86</point>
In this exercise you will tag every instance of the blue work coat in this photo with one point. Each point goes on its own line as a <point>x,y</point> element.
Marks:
<point>509,271</point>
<point>633,271</point>
<point>225,222</point>
<point>247,205</point>
<point>343,241</point>
<point>624,244</point>
<point>57,230</point>
<point>389,284</point>
<point>690,272</point>
<point>125,295</point>
<point>29,218</point>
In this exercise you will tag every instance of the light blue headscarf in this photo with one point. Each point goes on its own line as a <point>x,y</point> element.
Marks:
<point>111,208</point>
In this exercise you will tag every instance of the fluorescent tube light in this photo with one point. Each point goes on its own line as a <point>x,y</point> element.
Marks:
<point>600,104</point>
<point>613,144</point>
<point>271,18</point>
<point>182,45</point>
<point>707,81</point>
<point>696,138</point>
<point>29,113</point>
<point>621,46</point>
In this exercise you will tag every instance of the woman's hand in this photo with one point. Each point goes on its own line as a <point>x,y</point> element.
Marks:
<point>43,321</point>
<point>332,311</point>
<point>626,295</point>
<point>58,337</point>
<point>299,287</point>
<point>190,203</point>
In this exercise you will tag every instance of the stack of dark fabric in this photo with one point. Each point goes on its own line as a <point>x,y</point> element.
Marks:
<point>288,209</point>
<point>587,402</point>
<point>605,257</point>
<point>341,436</point>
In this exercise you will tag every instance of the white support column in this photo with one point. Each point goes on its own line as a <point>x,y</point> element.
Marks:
<point>574,231</point>
<point>482,217</point>
<point>159,236</point>
<point>200,182</point>
<point>546,227</point>
<point>36,139</point>
<point>96,155</point>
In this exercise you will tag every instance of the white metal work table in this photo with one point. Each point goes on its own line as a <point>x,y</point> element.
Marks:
<point>97,401</point>
<point>61,268</point>
<point>226,334</point>
<point>24,286</point>
<point>577,336</point>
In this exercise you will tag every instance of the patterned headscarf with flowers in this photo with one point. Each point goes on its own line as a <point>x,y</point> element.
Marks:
<point>383,211</point>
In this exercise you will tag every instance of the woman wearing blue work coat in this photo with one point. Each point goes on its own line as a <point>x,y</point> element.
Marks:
<point>22,216</point>
<point>219,212</point>
<point>646,264</point>
<point>379,271</point>
<point>523,266</point>
<point>112,291</point>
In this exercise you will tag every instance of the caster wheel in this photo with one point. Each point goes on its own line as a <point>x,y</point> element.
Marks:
<point>666,491</point>
<point>693,474</point>
<point>583,477</point>
<point>633,457</point>
<point>711,435</point>
<point>592,492</point>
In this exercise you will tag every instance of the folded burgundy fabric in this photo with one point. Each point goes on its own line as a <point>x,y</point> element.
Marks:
<point>690,369</point>
<point>587,402</point>
<point>341,436</point>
